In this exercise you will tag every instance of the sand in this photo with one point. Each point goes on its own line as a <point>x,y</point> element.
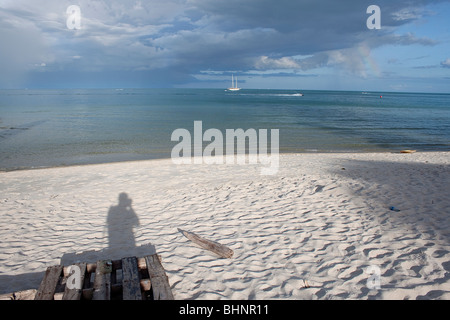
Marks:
<point>321,228</point>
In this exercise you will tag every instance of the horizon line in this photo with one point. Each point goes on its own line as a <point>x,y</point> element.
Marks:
<point>187,88</point>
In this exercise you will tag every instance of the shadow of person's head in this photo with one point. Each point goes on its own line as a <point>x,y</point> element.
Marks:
<point>124,201</point>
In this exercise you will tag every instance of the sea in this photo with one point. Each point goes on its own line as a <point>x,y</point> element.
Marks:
<point>48,128</point>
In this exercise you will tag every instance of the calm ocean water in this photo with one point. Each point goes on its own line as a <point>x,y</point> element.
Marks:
<point>40,128</point>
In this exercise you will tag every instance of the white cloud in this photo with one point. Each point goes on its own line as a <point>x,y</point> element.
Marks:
<point>266,63</point>
<point>446,63</point>
<point>409,13</point>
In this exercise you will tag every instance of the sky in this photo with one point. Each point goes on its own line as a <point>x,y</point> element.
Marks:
<point>266,44</point>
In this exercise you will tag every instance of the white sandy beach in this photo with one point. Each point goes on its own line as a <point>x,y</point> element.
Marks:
<point>312,231</point>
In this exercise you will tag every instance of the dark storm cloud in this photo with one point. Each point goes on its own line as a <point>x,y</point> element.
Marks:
<point>185,37</point>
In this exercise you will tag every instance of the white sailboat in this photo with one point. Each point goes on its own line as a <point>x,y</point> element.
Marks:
<point>234,86</point>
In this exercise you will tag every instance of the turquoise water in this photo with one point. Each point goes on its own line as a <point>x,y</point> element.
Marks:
<point>40,128</point>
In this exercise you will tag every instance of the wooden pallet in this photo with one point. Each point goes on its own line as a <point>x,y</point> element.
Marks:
<point>130,278</point>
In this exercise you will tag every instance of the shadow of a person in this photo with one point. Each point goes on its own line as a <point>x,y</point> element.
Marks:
<point>121,220</point>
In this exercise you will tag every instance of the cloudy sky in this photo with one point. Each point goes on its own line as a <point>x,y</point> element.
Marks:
<point>283,44</point>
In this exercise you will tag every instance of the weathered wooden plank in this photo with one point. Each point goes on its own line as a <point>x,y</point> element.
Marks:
<point>102,281</point>
<point>215,247</point>
<point>48,284</point>
<point>158,278</point>
<point>74,288</point>
<point>130,279</point>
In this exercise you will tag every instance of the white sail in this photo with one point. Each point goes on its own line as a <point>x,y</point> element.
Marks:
<point>234,86</point>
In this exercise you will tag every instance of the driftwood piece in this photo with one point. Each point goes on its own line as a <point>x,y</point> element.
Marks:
<point>215,247</point>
